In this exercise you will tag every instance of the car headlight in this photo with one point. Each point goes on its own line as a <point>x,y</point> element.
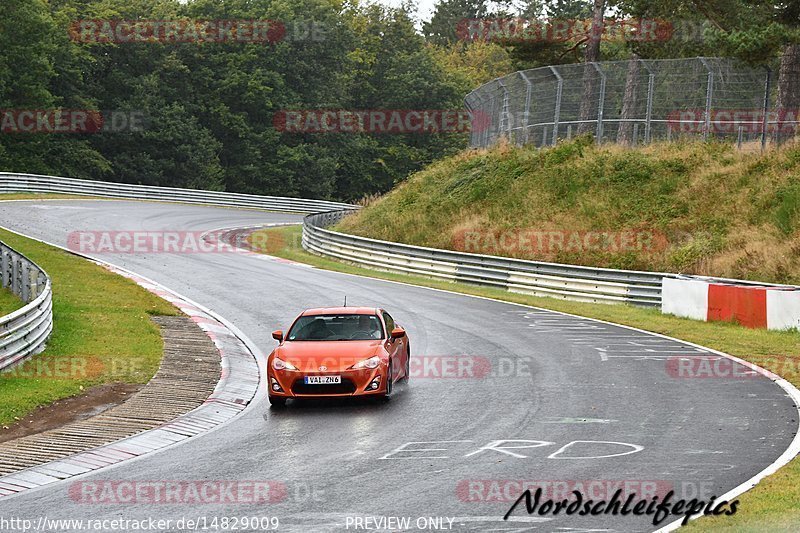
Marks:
<point>280,364</point>
<point>372,362</point>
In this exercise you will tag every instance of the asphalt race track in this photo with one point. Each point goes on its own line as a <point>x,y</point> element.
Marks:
<point>585,401</point>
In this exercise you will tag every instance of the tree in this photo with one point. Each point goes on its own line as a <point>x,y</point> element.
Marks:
<point>591,55</point>
<point>448,15</point>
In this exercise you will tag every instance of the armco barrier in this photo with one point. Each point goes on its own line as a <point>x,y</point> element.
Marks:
<point>10,182</point>
<point>24,332</point>
<point>568,282</point>
<point>753,305</point>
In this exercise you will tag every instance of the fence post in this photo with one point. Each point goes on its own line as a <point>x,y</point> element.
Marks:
<point>504,123</point>
<point>600,102</point>
<point>557,110</point>
<point>709,98</point>
<point>471,123</point>
<point>528,89</point>
<point>487,136</point>
<point>767,83</point>
<point>651,79</point>
<point>493,135</point>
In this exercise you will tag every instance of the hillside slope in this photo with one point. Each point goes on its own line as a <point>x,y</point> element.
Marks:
<point>700,208</point>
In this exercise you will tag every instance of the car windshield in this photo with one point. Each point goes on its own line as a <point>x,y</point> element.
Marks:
<point>336,328</point>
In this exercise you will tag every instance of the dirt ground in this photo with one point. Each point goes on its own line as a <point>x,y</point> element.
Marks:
<point>92,402</point>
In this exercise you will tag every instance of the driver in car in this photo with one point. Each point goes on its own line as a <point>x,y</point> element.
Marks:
<point>368,327</point>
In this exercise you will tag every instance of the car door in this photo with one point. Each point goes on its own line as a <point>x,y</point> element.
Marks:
<point>395,347</point>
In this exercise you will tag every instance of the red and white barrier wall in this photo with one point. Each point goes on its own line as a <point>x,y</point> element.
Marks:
<point>753,306</point>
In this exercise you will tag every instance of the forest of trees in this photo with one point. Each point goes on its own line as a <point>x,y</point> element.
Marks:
<point>209,107</point>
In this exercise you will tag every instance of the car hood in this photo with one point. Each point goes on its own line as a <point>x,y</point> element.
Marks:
<point>309,356</point>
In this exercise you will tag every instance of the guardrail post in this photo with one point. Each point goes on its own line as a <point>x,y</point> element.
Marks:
<point>5,268</point>
<point>25,282</point>
<point>600,102</point>
<point>557,107</point>
<point>14,286</point>
<point>41,281</point>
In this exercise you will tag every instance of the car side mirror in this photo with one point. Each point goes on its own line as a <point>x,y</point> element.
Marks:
<point>277,335</point>
<point>398,333</point>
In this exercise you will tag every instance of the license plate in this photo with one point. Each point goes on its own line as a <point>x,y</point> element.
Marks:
<point>323,380</point>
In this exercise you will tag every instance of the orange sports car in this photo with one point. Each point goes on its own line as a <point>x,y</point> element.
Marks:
<point>338,351</point>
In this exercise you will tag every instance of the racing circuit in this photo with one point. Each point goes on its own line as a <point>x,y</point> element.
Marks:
<point>566,400</point>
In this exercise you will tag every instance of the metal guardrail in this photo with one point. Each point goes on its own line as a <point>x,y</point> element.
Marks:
<point>24,332</point>
<point>10,182</point>
<point>568,282</point>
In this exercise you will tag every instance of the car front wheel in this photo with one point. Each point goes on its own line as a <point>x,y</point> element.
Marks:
<point>277,401</point>
<point>389,384</point>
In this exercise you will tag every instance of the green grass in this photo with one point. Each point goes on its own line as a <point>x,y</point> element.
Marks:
<point>774,505</point>
<point>9,302</point>
<point>42,196</point>
<point>708,208</point>
<point>102,334</point>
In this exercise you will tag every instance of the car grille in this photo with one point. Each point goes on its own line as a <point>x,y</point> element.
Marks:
<point>345,387</point>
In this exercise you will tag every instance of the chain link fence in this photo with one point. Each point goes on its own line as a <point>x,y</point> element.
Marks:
<point>633,102</point>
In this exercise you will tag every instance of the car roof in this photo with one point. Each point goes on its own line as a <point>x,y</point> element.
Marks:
<point>341,311</point>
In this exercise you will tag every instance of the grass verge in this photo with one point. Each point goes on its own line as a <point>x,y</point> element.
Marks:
<point>692,207</point>
<point>774,505</point>
<point>9,302</point>
<point>102,334</point>
<point>44,196</point>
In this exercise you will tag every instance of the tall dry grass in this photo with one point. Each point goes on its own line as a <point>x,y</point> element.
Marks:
<point>712,209</point>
